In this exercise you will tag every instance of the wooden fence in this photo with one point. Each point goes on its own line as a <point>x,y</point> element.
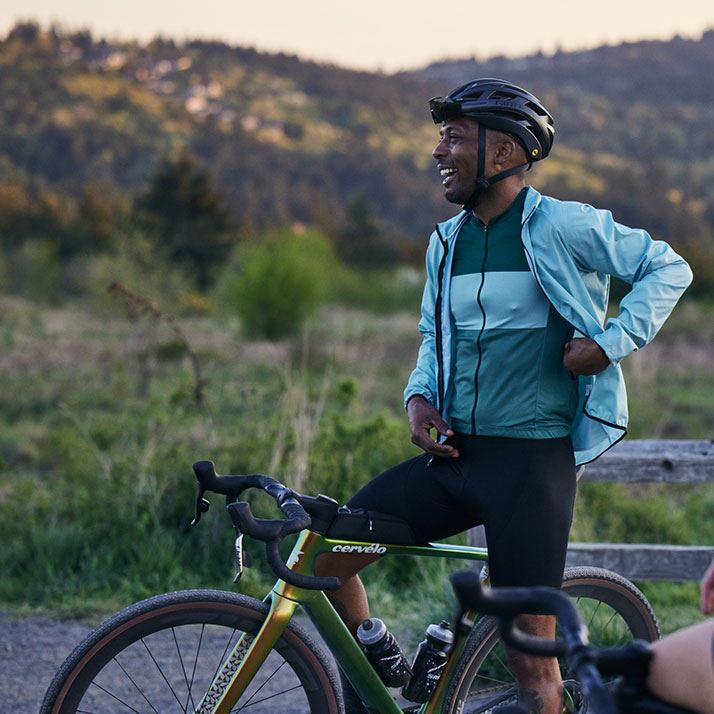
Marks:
<point>646,462</point>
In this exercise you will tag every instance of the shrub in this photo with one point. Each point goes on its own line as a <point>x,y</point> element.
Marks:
<point>279,282</point>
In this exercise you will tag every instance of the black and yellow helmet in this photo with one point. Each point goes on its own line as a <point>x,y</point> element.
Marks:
<point>500,105</point>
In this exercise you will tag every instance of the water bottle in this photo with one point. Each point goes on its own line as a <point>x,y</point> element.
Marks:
<point>383,652</point>
<point>429,661</point>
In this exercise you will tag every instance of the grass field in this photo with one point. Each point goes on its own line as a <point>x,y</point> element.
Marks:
<point>99,425</point>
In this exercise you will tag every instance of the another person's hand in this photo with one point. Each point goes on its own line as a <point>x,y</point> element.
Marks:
<point>423,417</point>
<point>584,357</point>
<point>707,590</point>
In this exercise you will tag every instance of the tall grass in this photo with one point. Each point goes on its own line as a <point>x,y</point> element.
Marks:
<point>96,490</point>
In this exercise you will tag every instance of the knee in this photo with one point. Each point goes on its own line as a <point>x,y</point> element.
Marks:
<point>344,566</point>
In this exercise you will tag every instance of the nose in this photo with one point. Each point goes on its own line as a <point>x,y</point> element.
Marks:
<point>439,150</point>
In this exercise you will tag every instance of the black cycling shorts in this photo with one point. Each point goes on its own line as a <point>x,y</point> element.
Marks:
<point>521,490</point>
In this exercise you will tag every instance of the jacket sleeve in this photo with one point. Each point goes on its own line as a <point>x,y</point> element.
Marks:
<point>423,379</point>
<point>658,277</point>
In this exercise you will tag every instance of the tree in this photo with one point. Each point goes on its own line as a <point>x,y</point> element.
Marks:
<point>188,217</point>
<point>361,241</point>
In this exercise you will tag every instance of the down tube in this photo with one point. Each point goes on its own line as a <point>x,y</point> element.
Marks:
<point>352,660</point>
<point>432,550</point>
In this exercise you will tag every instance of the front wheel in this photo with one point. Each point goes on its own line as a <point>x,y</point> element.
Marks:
<point>614,610</point>
<point>160,655</point>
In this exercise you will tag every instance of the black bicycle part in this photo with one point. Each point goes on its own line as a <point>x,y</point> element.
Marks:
<point>508,603</point>
<point>614,610</point>
<point>270,531</point>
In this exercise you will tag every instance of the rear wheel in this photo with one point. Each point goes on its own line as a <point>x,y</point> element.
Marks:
<point>161,655</point>
<point>614,610</point>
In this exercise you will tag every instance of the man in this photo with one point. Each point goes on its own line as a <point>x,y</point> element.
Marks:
<point>517,374</point>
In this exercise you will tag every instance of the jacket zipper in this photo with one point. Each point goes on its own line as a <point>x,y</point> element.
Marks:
<point>483,327</point>
<point>437,325</point>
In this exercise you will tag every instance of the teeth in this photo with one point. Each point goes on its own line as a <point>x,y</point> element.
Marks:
<point>447,172</point>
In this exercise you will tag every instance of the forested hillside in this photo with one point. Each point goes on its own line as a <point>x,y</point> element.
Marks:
<point>86,125</point>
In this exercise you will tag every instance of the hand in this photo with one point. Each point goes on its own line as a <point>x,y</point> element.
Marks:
<point>584,357</point>
<point>707,590</point>
<point>423,417</point>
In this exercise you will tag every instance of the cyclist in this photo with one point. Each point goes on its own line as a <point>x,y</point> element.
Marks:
<point>517,373</point>
<point>682,669</point>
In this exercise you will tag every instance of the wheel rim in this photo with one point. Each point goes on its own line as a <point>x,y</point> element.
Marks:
<point>169,668</point>
<point>494,682</point>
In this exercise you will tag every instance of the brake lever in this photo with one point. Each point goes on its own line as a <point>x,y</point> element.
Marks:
<point>202,506</point>
<point>242,558</point>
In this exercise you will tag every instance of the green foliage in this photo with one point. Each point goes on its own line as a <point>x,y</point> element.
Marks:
<point>382,291</point>
<point>348,152</point>
<point>137,263</point>
<point>34,269</point>
<point>190,220</point>
<point>276,284</point>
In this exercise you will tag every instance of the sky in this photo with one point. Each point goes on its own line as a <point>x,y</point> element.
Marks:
<point>378,35</point>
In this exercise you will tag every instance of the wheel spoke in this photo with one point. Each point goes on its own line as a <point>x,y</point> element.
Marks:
<point>277,669</point>
<point>161,672</point>
<point>136,686</point>
<point>195,663</point>
<point>113,696</point>
<point>222,658</point>
<point>183,669</point>
<point>270,696</point>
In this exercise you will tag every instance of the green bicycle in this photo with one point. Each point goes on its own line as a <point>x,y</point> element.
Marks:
<point>209,651</point>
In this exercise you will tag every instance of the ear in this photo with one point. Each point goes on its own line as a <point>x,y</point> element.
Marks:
<point>504,150</point>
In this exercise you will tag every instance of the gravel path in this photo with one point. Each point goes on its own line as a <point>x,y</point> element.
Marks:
<point>31,650</point>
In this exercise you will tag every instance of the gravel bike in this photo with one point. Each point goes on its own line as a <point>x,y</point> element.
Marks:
<point>209,651</point>
<point>590,667</point>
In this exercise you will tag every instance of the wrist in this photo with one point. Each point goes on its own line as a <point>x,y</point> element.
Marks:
<point>417,397</point>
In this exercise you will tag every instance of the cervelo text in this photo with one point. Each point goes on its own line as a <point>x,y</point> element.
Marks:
<point>371,548</point>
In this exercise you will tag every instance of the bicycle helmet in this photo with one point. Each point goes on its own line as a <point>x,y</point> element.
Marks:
<point>500,105</point>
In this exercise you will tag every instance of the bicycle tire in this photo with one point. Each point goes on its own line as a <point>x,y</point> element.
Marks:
<point>160,655</point>
<point>613,608</point>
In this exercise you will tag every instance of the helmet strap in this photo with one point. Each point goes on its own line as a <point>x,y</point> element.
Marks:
<point>483,183</point>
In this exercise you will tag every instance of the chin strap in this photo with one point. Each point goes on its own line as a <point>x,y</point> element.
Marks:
<point>483,183</point>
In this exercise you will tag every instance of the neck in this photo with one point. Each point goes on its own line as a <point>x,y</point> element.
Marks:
<point>498,198</point>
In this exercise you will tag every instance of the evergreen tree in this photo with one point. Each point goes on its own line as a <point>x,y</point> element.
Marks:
<point>188,217</point>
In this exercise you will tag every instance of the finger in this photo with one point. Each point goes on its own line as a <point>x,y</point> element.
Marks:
<point>441,426</point>
<point>442,451</point>
<point>426,443</point>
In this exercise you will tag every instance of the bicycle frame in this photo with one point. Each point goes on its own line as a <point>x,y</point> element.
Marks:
<point>250,652</point>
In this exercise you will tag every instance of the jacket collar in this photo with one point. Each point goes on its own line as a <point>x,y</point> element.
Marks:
<point>451,227</point>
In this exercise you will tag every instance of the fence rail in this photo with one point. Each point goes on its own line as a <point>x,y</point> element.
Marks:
<point>646,461</point>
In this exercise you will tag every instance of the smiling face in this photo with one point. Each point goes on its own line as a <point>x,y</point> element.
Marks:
<point>456,155</point>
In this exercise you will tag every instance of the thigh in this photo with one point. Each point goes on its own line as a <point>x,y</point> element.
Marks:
<point>422,491</point>
<point>682,670</point>
<point>529,510</point>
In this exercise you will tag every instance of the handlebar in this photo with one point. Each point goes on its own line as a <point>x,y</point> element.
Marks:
<point>271,532</point>
<point>506,604</point>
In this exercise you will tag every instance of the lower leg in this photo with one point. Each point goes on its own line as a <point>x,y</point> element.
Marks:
<point>540,687</point>
<point>350,600</point>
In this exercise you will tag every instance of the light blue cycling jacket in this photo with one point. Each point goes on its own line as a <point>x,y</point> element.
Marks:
<point>572,250</point>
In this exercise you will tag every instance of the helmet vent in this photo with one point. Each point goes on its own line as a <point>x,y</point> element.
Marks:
<point>537,109</point>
